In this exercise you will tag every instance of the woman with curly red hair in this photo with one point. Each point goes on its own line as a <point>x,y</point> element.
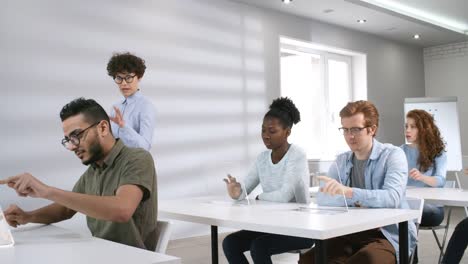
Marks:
<point>427,160</point>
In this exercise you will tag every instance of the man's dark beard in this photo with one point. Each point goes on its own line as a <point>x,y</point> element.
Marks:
<point>95,153</point>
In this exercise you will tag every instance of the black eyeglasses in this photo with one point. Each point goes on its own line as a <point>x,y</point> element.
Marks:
<point>128,79</point>
<point>353,130</point>
<point>75,138</point>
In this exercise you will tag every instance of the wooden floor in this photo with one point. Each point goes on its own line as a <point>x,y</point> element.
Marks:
<point>196,250</point>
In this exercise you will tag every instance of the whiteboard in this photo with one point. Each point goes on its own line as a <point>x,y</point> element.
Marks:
<point>445,112</point>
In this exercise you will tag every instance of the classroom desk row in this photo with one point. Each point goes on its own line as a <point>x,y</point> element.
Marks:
<point>320,223</point>
<point>52,244</point>
<point>440,196</point>
<point>49,244</point>
<point>295,220</point>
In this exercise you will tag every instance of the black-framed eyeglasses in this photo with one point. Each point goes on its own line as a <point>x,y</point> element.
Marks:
<point>127,78</point>
<point>353,130</point>
<point>74,139</point>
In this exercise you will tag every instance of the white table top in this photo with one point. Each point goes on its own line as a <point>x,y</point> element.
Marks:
<point>440,196</point>
<point>51,244</point>
<point>280,218</point>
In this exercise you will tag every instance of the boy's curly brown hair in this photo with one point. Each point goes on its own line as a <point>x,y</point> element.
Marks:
<point>126,62</point>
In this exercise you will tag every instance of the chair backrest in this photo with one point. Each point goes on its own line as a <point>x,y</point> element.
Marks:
<point>416,204</point>
<point>163,235</point>
<point>449,184</point>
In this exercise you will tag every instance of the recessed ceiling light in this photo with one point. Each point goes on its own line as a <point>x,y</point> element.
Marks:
<point>416,36</point>
<point>287,1</point>
<point>326,11</point>
<point>407,10</point>
<point>361,21</point>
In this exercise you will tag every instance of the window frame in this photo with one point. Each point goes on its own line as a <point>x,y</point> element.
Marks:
<point>325,57</point>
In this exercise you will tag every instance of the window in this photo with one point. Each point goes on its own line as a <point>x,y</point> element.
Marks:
<point>320,83</point>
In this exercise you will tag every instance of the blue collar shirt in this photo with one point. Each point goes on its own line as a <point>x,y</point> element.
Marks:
<point>140,121</point>
<point>386,175</point>
<point>438,169</point>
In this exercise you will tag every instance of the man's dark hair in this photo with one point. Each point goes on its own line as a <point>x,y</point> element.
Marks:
<point>126,62</point>
<point>91,110</point>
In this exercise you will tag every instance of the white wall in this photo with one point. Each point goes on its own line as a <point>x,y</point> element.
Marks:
<point>213,68</point>
<point>446,69</point>
<point>395,71</point>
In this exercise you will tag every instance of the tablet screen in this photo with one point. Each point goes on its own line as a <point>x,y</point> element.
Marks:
<point>6,239</point>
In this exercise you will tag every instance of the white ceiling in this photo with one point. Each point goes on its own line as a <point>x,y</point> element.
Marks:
<point>381,21</point>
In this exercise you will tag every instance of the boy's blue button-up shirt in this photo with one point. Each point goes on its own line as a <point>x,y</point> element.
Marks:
<point>140,120</point>
<point>386,175</point>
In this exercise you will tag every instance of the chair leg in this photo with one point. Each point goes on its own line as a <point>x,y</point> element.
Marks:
<point>439,244</point>
<point>411,259</point>
<point>444,240</point>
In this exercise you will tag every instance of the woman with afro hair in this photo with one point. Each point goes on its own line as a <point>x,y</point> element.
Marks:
<point>283,173</point>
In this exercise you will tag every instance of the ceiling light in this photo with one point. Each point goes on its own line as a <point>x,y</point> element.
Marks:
<point>287,1</point>
<point>392,6</point>
<point>416,36</point>
<point>361,21</point>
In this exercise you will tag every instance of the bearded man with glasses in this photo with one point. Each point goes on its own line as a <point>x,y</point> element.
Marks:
<point>117,193</point>
<point>134,116</point>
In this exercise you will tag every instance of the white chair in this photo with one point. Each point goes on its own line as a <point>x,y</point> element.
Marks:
<point>163,235</point>
<point>441,244</point>
<point>416,204</point>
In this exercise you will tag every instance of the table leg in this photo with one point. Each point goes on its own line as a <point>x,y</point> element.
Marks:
<point>320,251</point>
<point>403,241</point>
<point>214,244</point>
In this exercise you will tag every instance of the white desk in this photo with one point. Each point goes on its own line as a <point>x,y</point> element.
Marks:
<point>440,196</point>
<point>51,244</point>
<point>285,219</point>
